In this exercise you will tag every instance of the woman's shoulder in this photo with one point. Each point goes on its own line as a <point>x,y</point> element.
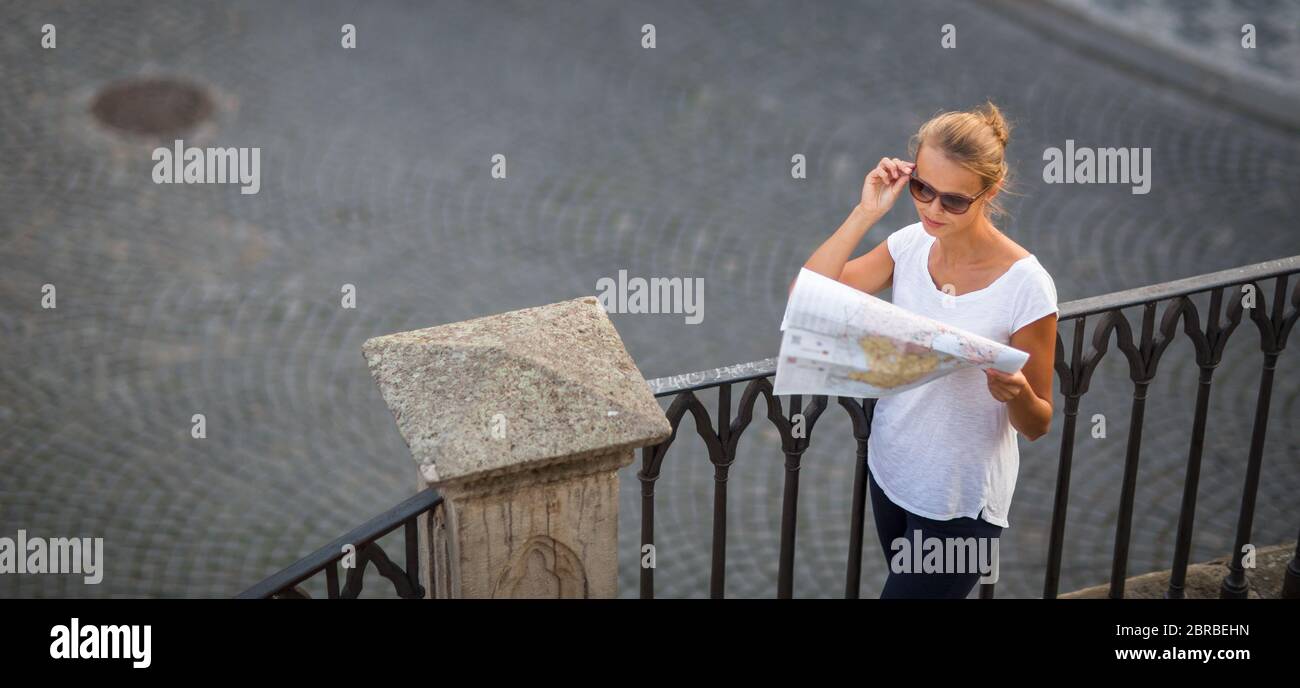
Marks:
<point>1034,294</point>
<point>1019,256</point>
<point>1011,249</point>
<point>904,238</point>
<point>1035,280</point>
<point>1034,276</point>
<point>1035,267</point>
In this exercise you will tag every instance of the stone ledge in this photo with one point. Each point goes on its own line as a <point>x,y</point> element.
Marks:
<point>1204,579</point>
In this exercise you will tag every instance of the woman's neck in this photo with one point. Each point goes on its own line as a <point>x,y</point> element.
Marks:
<point>968,247</point>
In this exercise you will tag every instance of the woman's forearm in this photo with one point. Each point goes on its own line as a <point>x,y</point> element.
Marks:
<point>1029,414</point>
<point>830,257</point>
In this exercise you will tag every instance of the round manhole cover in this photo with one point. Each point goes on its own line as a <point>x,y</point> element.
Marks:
<point>152,106</point>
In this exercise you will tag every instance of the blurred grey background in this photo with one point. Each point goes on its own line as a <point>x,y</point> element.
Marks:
<point>182,299</point>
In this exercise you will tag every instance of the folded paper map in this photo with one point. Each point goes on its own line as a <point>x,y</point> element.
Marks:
<point>843,342</point>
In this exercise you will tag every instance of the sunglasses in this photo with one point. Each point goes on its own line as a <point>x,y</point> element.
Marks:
<point>954,203</point>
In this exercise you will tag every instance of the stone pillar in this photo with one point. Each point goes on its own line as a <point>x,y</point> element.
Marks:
<point>521,421</point>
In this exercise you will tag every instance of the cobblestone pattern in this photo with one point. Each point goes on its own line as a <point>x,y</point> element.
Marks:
<point>175,300</point>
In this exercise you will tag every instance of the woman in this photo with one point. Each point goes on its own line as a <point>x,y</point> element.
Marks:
<point>943,457</point>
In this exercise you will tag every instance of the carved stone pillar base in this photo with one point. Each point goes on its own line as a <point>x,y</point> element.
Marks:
<point>521,421</point>
<point>545,536</point>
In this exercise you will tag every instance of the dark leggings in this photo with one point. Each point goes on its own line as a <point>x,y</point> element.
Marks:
<point>893,521</point>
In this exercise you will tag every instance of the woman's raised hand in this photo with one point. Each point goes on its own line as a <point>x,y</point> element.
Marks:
<point>883,185</point>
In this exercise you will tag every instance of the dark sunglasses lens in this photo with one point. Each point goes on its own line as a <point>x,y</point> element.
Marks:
<point>954,204</point>
<point>920,191</point>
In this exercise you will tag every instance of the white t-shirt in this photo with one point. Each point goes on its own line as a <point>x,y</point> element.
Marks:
<point>947,449</point>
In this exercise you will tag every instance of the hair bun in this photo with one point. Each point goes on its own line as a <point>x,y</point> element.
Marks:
<point>992,116</point>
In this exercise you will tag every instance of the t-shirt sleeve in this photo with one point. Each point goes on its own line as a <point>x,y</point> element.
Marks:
<point>901,240</point>
<point>1035,299</point>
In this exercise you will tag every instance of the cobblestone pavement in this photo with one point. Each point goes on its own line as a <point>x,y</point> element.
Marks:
<point>175,300</point>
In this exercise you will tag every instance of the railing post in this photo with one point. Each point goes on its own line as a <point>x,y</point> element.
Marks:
<point>1236,585</point>
<point>521,421</point>
<point>1291,582</point>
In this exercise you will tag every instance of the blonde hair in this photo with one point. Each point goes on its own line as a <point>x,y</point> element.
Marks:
<point>976,140</point>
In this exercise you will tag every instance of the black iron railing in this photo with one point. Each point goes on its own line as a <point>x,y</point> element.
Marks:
<point>1227,288</point>
<point>1207,332</point>
<point>361,544</point>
